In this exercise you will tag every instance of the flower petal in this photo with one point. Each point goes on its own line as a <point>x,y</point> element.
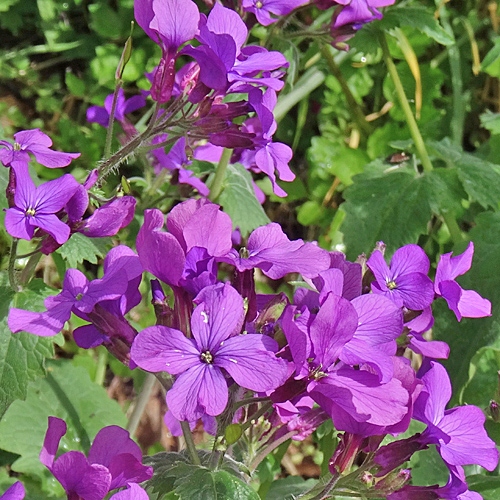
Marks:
<point>55,431</point>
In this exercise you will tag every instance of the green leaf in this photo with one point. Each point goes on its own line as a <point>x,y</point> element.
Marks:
<point>487,486</point>
<point>393,207</point>
<point>480,178</point>
<point>79,248</point>
<point>200,483</point>
<point>490,61</point>
<point>289,488</point>
<point>75,85</point>
<point>490,121</point>
<point>416,17</point>
<point>233,433</point>
<point>428,468</point>
<point>66,393</point>
<point>239,201</point>
<point>482,385</point>
<point>22,355</point>
<point>466,338</point>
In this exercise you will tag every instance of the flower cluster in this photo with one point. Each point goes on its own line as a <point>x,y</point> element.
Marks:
<point>337,344</point>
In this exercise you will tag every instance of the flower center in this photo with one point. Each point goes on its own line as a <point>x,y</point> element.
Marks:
<point>391,285</point>
<point>30,211</point>
<point>17,146</point>
<point>79,296</point>
<point>206,357</point>
<point>259,4</point>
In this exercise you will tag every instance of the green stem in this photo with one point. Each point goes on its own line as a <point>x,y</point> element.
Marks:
<point>29,269</point>
<point>354,106</point>
<point>102,364</point>
<point>109,133</point>
<point>188,437</point>
<point>12,266</point>
<point>140,403</point>
<point>268,449</point>
<point>220,174</point>
<point>403,100</point>
<point>328,488</point>
<point>250,401</point>
<point>453,227</point>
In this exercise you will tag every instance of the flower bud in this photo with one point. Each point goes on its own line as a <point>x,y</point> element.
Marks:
<point>394,481</point>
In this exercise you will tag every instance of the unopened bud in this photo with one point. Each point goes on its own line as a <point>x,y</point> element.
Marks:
<point>271,312</point>
<point>126,54</point>
<point>494,410</point>
<point>367,478</point>
<point>380,246</point>
<point>394,481</point>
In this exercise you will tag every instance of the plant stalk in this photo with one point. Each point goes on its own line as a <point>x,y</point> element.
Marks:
<point>140,403</point>
<point>403,100</point>
<point>220,174</point>
<point>190,446</point>
<point>109,133</point>
<point>12,266</point>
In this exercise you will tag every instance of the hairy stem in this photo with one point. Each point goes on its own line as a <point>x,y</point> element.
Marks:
<point>109,133</point>
<point>403,100</point>
<point>271,447</point>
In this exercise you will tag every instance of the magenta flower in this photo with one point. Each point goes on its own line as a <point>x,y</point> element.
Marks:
<point>264,8</point>
<point>37,206</point>
<point>405,282</point>
<point>359,12</point>
<point>113,461</point>
<point>15,492</point>
<point>100,115</point>
<point>133,492</point>
<point>38,144</point>
<point>464,303</point>
<point>217,348</point>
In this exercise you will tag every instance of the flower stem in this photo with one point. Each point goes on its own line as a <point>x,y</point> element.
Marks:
<point>220,174</point>
<point>140,403</point>
<point>109,133</point>
<point>403,100</point>
<point>102,363</point>
<point>269,448</point>
<point>358,113</point>
<point>12,266</point>
<point>263,409</point>
<point>188,437</point>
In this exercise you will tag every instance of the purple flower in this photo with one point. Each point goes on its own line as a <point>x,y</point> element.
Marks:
<point>37,206</point>
<point>270,249</point>
<point>15,492</point>
<point>464,303</point>
<point>359,12</point>
<point>200,363</point>
<point>263,8</point>
<point>405,282</point>
<point>38,144</point>
<point>172,22</point>
<point>78,296</point>
<point>459,432</point>
<point>113,461</point>
<point>100,115</point>
<point>133,492</point>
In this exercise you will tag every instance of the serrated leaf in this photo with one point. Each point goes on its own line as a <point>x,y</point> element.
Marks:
<point>68,393</point>
<point>490,121</point>
<point>200,483</point>
<point>239,201</point>
<point>79,248</point>
<point>480,178</point>
<point>466,338</point>
<point>392,207</point>
<point>492,56</point>
<point>22,355</point>
<point>416,17</point>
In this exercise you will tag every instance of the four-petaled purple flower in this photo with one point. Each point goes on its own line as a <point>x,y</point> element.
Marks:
<point>405,282</point>
<point>263,8</point>
<point>216,349</point>
<point>38,144</point>
<point>113,461</point>
<point>464,303</point>
<point>38,206</point>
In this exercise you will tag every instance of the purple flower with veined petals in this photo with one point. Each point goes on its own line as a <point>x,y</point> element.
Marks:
<point>113,461</point>
<point>405,282</point>
<point>38,144</point>
<point>15,492</point>
<point>78,295</point>
<point>100,115</point>
<point>37,206</point>
<point>169,23</point>
<point>464,303</point>
<point>359,12</point>
<point>263,8</point>
<point>198,363</point>
<point>459,432</point>
<point>270,250</point>
<point>133,492</point>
